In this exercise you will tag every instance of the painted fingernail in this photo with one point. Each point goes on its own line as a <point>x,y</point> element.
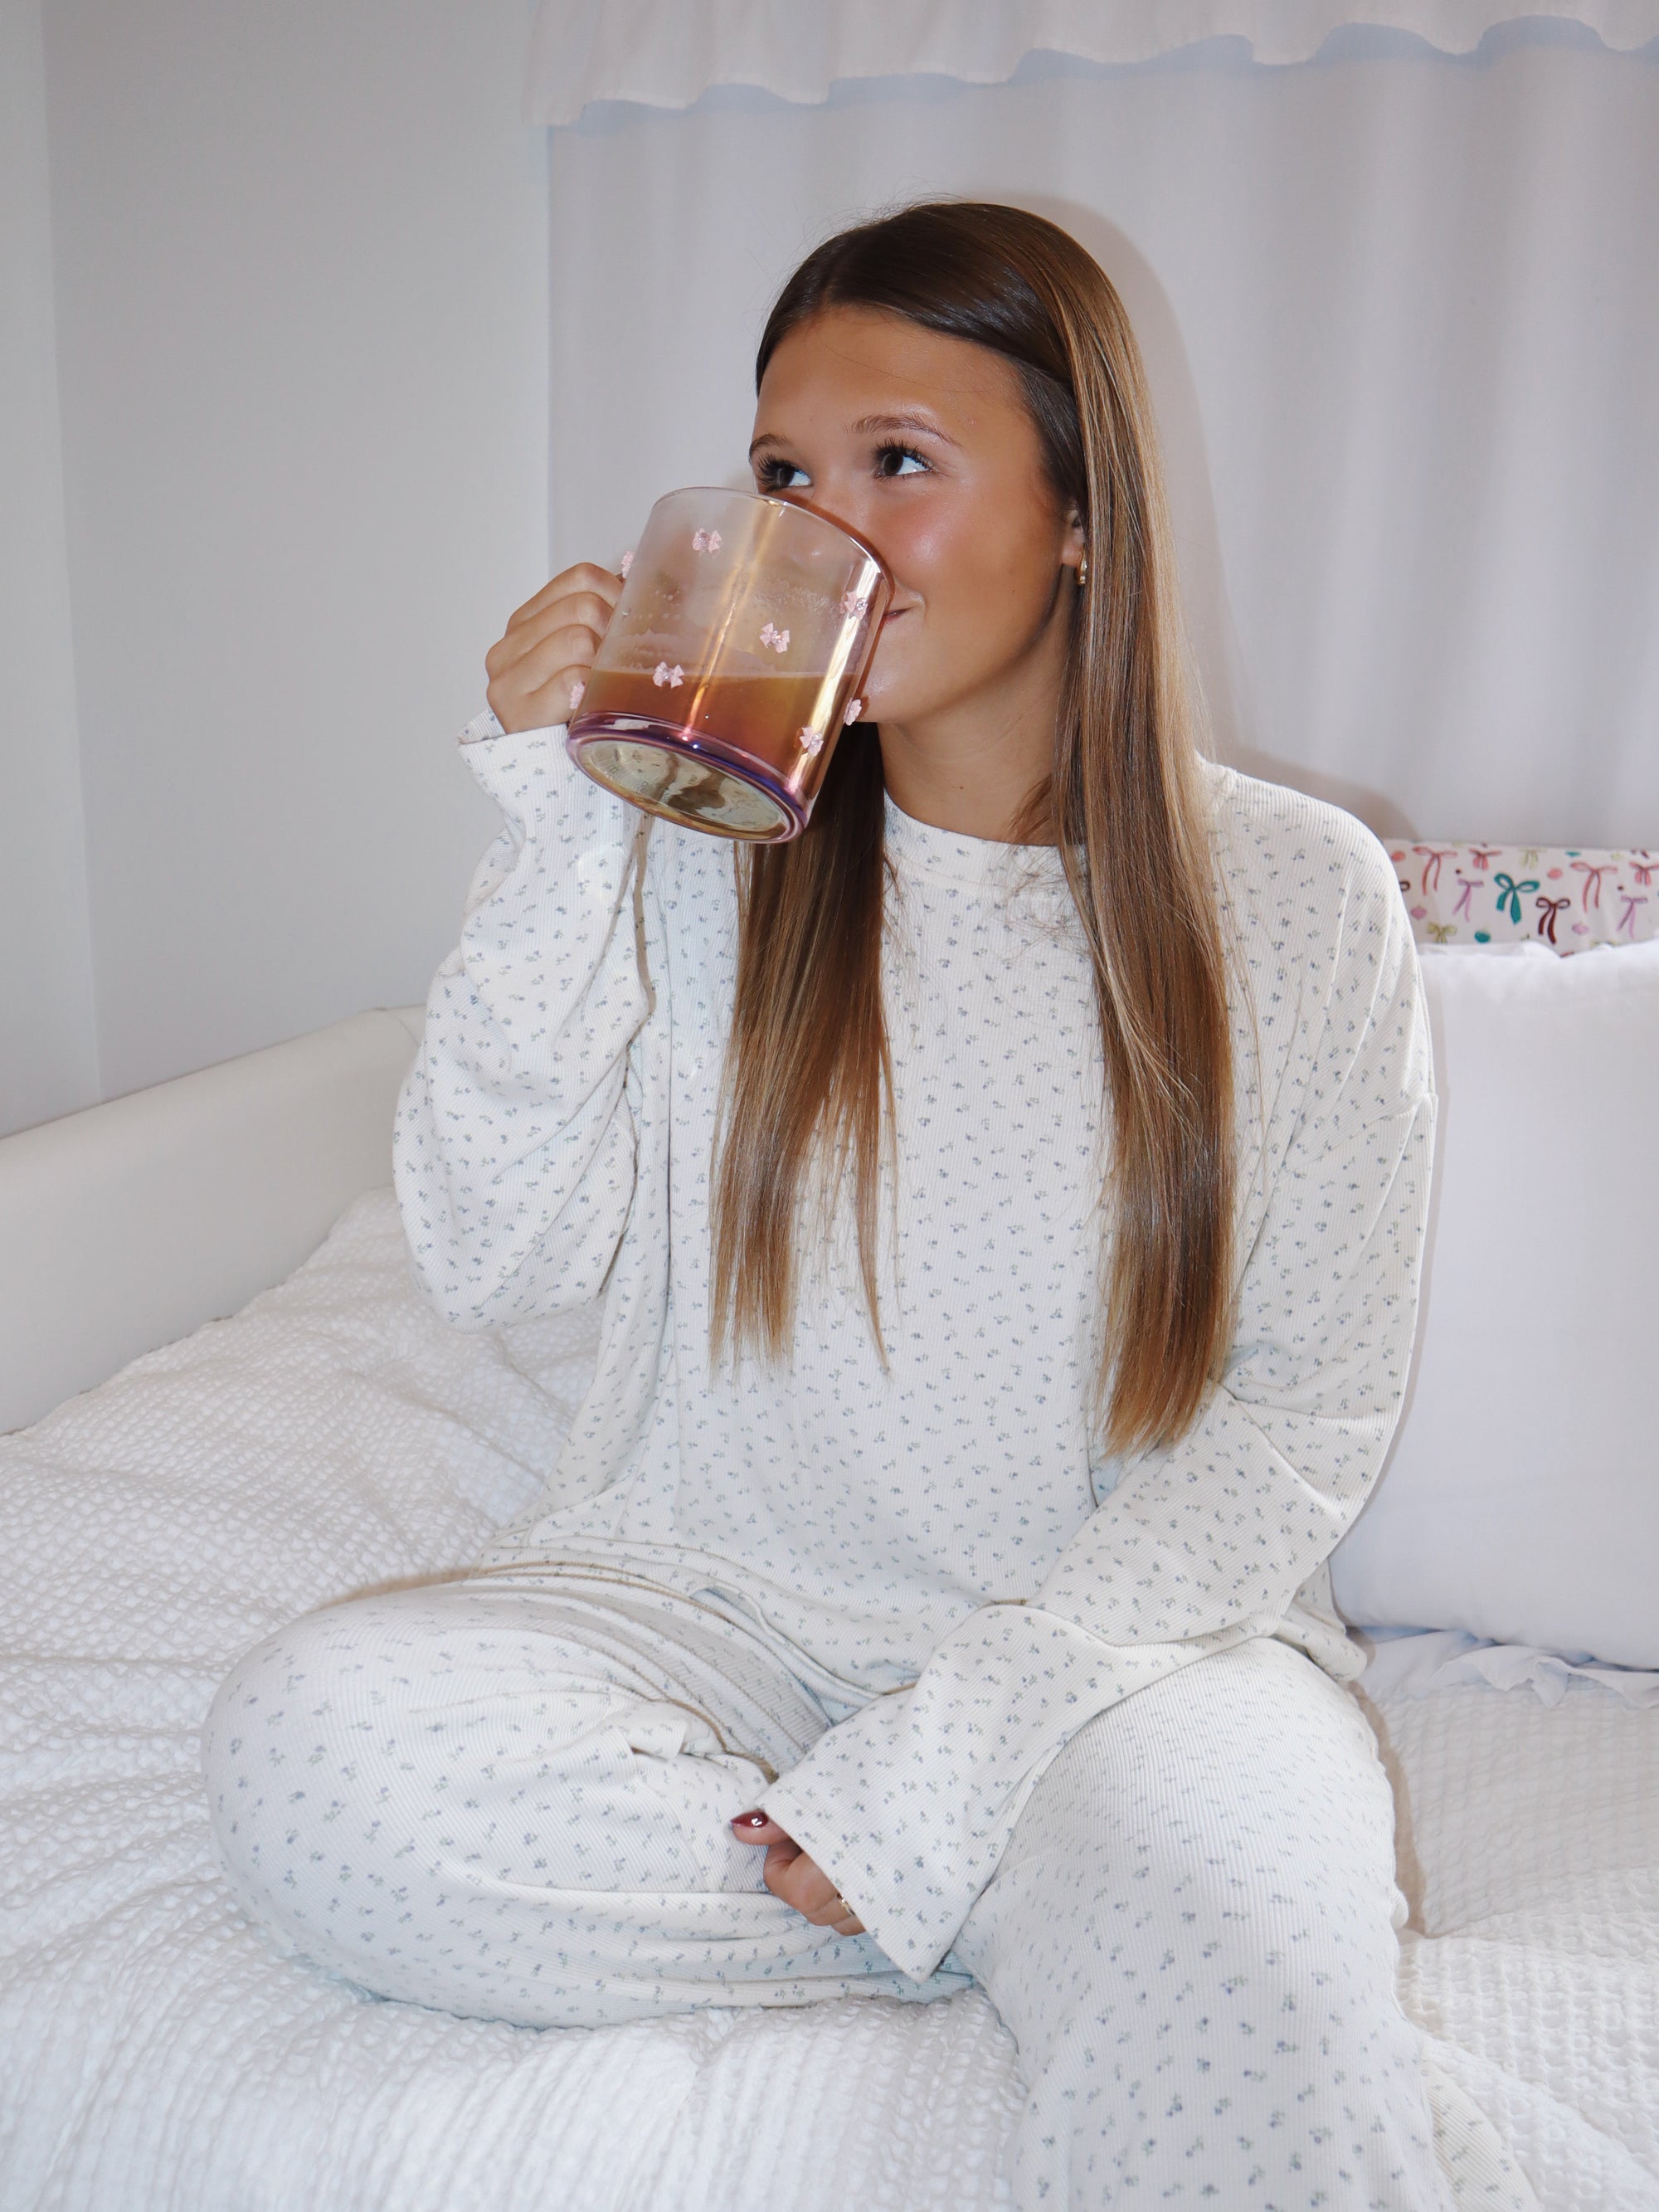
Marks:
<point>748,1819</point>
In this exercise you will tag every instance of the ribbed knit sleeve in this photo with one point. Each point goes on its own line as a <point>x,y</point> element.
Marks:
<point>909,1804</point>
<point>515,1142</point>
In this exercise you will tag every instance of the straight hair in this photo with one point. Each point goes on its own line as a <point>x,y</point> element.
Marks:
<point>808,1081</point>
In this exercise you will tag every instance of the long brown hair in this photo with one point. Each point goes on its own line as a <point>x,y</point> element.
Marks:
<point>808,1078</point>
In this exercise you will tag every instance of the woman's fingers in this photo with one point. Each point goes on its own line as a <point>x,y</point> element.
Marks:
<point>572,644</point>
<point>584,611</point>
<point>549,646</point>
<point>758,1827</point>
<point>796,1878</point>
<point>569,626</point>
<point>585,576</point>
<point>802,1882</point>
<point>520,705</point>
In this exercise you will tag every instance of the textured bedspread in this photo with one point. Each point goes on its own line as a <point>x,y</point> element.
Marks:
<point>156,2058</point>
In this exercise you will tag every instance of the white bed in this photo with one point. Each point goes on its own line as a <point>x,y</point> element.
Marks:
<point>334,1435</point>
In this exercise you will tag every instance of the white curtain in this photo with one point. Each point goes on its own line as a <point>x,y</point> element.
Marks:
<point>668,53</point>
<point>1399,309</point>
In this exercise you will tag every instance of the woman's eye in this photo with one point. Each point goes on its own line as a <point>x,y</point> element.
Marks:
<point>779,476</point>
<point>899,461</point>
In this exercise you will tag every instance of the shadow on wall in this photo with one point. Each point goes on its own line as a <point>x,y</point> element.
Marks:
<point>1192,507</point>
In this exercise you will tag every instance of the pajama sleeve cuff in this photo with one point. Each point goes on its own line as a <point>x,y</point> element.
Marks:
<point>908,1806</point>
<point>482,726</point>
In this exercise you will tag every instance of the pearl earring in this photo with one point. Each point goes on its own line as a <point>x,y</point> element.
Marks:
<point>1082,572</point>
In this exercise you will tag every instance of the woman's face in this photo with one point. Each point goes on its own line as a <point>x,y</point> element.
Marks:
<point>923,446</point>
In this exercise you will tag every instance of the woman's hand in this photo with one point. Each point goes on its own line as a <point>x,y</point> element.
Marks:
<point>537,669</point>
<point>796,1879</point>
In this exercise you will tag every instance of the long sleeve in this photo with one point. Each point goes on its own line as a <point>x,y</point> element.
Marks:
<point>909,1804</point>
<point>515,1148</point>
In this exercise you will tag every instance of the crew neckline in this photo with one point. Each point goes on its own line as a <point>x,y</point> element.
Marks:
<point>952,855</point>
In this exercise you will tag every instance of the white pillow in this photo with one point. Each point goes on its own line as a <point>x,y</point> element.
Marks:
<point>1521,1498</point>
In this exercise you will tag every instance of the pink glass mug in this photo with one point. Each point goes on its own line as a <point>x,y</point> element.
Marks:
<point>735,656</point>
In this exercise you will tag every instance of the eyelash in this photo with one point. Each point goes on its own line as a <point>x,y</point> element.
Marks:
<point>773,473</point>
<point>902,452</point>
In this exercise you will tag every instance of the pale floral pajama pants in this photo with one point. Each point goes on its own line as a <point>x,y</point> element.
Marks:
<point>507,1796</point>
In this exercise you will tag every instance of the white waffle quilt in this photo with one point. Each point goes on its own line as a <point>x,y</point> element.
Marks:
<point>336,1436</point>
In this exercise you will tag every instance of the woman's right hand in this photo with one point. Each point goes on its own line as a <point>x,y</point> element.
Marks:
<point>549,647</point>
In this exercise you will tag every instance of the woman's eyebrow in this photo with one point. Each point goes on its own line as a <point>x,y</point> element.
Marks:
<point>868,424</point>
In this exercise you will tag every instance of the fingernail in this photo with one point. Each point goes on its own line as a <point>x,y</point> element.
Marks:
<point>755,1820</point>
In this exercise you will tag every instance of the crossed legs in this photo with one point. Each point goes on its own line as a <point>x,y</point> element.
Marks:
<point>509,1798</point>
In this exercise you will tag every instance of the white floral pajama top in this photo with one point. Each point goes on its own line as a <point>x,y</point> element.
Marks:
<point>932,1543</point>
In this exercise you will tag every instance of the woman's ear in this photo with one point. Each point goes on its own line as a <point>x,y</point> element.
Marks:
<point>1076,547</point>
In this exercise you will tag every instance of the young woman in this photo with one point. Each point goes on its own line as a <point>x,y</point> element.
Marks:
<point>1006,1202</point>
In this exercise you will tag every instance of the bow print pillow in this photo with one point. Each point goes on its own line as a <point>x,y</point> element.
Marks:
<point>1564,896</point>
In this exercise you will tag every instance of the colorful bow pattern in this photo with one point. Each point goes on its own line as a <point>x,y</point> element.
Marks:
<point>1509,892</point>
<point>1592,872</point>
<point>1549,908</point>
<point>1561,897</point>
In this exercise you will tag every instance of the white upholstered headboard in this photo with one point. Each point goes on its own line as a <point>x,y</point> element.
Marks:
<point>130,1225</point>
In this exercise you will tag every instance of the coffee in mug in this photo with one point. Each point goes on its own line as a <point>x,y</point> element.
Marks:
<point>736,655</point>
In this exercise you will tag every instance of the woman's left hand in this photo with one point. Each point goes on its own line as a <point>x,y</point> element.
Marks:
<point>798,1880</point>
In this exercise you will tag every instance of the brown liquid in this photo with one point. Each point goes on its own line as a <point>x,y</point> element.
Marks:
<point>629,730</point>
<point>760,715</point>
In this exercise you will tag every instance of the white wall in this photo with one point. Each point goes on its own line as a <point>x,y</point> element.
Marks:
<point>300,276</point>
<point>48,1028</point>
